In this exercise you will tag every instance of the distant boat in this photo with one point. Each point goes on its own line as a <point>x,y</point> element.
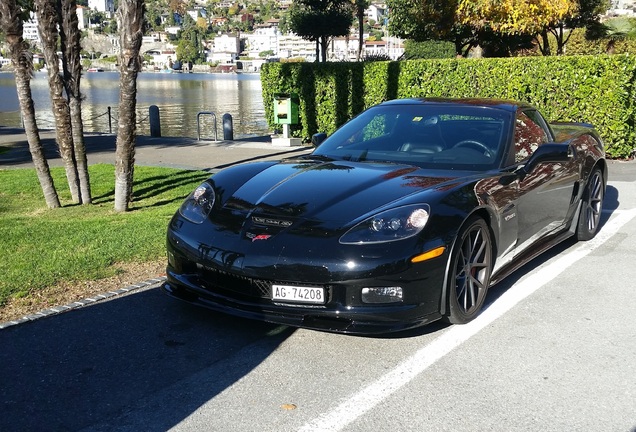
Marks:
<point>95,69</point>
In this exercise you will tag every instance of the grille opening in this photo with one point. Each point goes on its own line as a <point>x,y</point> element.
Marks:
<point>221,281</point>
<point>327,323</point>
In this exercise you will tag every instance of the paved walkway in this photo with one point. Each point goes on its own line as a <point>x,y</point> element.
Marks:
<point>184,153</point>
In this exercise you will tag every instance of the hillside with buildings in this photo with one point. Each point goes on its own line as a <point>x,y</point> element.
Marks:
<point>232,36</point>
<point>238,36</point>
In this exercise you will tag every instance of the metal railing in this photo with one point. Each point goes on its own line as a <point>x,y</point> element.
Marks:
<point>49,123</point>
<point>216,137</point>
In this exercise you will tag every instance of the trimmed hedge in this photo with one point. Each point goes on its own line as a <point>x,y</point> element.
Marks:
<point>593,89</point>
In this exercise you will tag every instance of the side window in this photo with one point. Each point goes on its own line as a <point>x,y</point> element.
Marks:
<point>529,134</point>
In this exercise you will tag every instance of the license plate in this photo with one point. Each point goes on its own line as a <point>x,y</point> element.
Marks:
<point>298,294</point>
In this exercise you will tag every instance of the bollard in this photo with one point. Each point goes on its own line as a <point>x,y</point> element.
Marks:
<point>228,128</point>
<point>155,122</point>
<point>110,122</point>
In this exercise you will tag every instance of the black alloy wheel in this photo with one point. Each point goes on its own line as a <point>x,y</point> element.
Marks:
<point>592,206</point>
<point>469,272</point>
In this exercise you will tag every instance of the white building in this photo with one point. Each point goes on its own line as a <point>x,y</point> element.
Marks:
<point>162,59</point>
<point>376,12</point>
<point>224,49</point>
<point>172,29</point>
<point>343,49</point>
<point>622,7</point>
<point>293,46</point>
<point>82,17</point>
<point>393,48</point>
<point>30,29</point>
<point>106,6</point>
<point>263,39</point>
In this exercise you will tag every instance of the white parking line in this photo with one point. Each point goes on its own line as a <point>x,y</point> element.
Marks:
<point>359,403</point>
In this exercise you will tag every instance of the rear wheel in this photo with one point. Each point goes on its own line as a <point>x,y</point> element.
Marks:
<point>469,272</point>
<point>590,216</point>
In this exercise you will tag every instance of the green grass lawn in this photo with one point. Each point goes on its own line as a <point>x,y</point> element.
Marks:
<point>42,247</point>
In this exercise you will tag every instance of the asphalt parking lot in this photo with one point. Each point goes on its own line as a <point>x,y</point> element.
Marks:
<point>555,350</point>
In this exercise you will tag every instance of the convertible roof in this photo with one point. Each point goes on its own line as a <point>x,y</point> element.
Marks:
<point>502,104</point>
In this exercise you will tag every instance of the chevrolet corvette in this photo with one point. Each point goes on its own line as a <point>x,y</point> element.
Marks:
<point>405,215</point>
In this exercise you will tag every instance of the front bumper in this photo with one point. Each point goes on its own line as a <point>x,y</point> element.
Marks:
<point>343,311</point>
<point>235,276</point>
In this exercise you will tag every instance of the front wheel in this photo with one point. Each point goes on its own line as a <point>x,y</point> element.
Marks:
<point>469,272</point>
<point>590,216</point>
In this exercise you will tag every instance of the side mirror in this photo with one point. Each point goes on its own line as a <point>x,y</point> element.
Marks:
<point>318,138</point>
<point>550,152</point>
<point>545,153</point>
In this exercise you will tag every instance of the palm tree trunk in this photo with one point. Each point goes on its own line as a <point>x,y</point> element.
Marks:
<point>130,16</point>
<point>360,8</point>
<point>48,20</point>
<point>23,64</point>
<point>72,75</point>
<point>324,45</point>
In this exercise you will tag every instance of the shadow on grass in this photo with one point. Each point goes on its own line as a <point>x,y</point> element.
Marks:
<point>155,186</point>
<point>88,367</point>
<point>152,187</point>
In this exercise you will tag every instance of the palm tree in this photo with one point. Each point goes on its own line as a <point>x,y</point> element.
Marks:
<point>22,60</point>
<point>48,21</point>
<point>130,20</point>
<point>71,62</point>
<point>360,6</point>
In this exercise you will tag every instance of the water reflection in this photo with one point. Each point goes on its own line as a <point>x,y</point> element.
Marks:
<point>179,98</point>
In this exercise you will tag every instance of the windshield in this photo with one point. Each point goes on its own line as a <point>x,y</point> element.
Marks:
<point>437,136</point>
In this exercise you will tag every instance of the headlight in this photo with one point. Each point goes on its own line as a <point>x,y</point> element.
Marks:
<point>390,225</point>
<point>198,205</point>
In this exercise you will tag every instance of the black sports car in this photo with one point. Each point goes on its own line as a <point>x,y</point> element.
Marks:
<point>405,215</point>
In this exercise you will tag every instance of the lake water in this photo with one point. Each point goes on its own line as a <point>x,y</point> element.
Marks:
<point>179,97</point>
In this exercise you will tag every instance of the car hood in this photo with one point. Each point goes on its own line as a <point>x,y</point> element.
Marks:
<point>332,191</point>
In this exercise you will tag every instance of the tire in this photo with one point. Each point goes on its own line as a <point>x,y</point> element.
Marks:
<point>469,272</point>
<point>591,207</point>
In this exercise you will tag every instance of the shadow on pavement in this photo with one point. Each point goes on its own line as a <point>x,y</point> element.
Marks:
<point>88,368</point>
<point>175,152</point>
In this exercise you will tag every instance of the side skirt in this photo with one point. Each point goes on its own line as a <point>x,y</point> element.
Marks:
<point>533,252</point>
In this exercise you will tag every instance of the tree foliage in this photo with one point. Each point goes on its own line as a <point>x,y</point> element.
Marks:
<point>501,27</point>
<point>422,20</point>
<point>190,47</point>
<point>514,16</point>
<point>319,21</point>
<point>536,18</point>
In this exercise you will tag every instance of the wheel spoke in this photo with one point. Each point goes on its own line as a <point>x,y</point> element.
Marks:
<point>472,269</point>
<point>594,207</point>
<point>471,261</point>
